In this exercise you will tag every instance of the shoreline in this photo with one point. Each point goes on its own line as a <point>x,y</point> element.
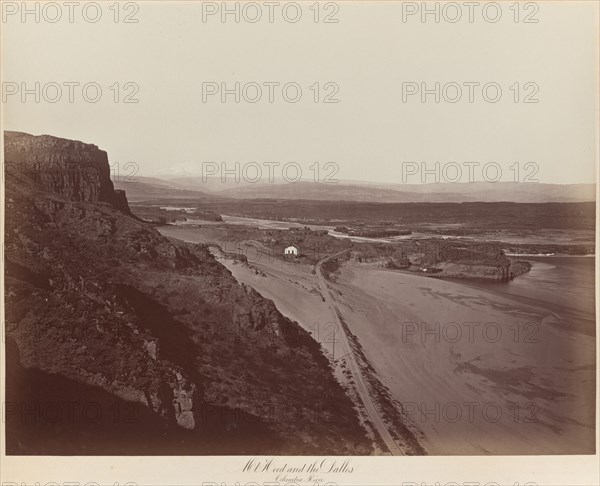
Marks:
<point>367,297</point>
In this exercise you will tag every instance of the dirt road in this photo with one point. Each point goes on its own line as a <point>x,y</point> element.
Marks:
<point>347,352</point>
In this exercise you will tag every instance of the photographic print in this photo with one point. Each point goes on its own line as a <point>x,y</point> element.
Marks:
<point>346,232</point>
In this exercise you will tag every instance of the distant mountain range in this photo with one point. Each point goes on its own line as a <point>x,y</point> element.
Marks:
<point>147,188</point>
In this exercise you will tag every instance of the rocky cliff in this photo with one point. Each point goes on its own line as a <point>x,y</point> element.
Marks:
<point>456,259</point>
<point>175,355</point>
<point>76,170</point>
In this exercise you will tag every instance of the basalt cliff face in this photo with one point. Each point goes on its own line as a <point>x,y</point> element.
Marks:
<point>76,170</point>
<point>120,340</point>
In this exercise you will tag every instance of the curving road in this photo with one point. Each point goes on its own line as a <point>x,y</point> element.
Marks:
<point>361,386</point>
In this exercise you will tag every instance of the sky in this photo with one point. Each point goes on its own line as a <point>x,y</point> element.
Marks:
<point>370,61</point>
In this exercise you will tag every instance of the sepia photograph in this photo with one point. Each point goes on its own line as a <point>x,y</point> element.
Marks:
<point>292,243</point>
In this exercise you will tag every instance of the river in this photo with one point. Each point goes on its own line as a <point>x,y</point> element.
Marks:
<point>451,351</point>
<point>522,383</point>
<point>565,284</point>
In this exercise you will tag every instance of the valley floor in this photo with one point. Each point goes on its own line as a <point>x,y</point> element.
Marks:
<point>471,369</point>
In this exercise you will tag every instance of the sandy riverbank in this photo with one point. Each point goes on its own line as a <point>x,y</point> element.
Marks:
<point>477,370</point>
<point>518,383</point>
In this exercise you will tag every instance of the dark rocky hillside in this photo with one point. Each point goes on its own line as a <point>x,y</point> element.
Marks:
<point>105,313</point>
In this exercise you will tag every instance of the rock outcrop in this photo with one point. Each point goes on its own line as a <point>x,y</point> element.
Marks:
<point>451,259</point>
<point>103,308</point>
<point>73,169</point>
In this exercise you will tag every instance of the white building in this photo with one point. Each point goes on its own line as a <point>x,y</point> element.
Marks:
<point>291,250</point>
